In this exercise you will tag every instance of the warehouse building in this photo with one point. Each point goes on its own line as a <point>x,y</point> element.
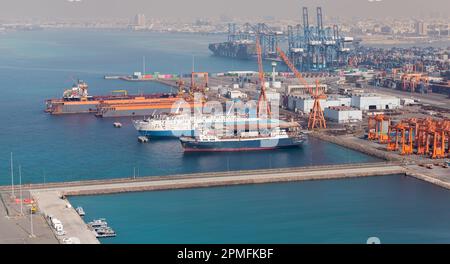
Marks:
<point>304,103</point>
<point>303,89</point>
<point>343,114</point>
<point>375,102</point>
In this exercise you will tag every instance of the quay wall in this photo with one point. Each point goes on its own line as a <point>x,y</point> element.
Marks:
<point>228,179</point>
<point>363,148</point>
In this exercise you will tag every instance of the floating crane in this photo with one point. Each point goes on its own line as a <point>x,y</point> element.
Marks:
<point>262,96</point>
<point>316,117</point>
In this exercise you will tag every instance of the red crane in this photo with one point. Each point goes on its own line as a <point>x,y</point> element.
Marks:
<point>316,117</point>
<point>262,96</point>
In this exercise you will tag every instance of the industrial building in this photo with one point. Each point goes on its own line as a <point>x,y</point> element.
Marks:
<point>343,114</point>
<point>375,102</point>
<point>304,103</point>
<point>302,89</point>
<point>365,101</point>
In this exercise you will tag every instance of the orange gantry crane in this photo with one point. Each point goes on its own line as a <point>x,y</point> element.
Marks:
<point>411,81</point>
<point>262,95</point>
<point>393,145</point>
<point>406,139</point>
<point>378,128</point>
<point>316,118</point>
<point>403,138</point>
<point>422,136</point>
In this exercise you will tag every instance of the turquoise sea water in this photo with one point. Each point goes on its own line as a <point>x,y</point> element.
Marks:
<point>396,209</point>
<point>35,66</point>
<point>38,65</point>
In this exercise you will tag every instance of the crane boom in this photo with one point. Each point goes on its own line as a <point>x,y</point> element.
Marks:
<point>294,70</point>
<point>316,116</point>
<point>262,95</point>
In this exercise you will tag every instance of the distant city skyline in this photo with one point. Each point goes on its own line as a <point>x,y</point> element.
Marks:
<point>207,9</point>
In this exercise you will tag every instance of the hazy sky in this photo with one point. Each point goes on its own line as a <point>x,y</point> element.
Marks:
<point>188,9</point>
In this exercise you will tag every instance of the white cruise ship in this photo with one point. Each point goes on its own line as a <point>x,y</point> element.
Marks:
<point>177,125</point>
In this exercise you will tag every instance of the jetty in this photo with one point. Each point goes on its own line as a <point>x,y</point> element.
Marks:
<point>52,200</point>
<point>197,180</point>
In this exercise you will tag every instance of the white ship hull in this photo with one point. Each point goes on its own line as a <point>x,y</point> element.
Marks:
<point>177,126</point>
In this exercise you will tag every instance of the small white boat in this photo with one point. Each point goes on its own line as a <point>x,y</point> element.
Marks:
<point>80,211</point>
<point>143,139</point>
<point>117,124</point>
<point>105,232</point>
<point>98,223</point>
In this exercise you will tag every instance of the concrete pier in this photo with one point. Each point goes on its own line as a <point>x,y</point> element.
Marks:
<point>50,197</point>
<point>224,179</point>
<point>17,226</point>
<point>50,201</point>
<point>197,180</point>
<point>357,144</point>
<point>438,176</point>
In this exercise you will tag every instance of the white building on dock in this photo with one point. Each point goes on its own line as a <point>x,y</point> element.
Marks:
<point>343,114</point>
<point>375,102</point>
<point>304,103</point>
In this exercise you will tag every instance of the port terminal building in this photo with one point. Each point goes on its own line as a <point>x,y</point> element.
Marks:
<point>361,102</point>
<point>343,114</point>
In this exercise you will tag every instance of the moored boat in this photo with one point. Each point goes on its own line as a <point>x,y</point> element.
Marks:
<point>76,100</point>
<point>177,125</point>
<point>274,138</point>
<point>80,211</point>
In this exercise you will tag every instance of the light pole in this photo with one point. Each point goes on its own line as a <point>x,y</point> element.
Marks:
<point>12,176</point>
<point>31,221</point>
<point>20,185</point>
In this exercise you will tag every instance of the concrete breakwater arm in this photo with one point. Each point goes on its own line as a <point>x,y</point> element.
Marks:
<point>225,178</point>
<point>358,145</point>
<point>49,201</point>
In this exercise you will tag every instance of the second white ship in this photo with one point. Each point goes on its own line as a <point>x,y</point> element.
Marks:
<point>177,125</point>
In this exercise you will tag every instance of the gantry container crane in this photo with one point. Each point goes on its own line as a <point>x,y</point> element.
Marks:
<point>422,136</point>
